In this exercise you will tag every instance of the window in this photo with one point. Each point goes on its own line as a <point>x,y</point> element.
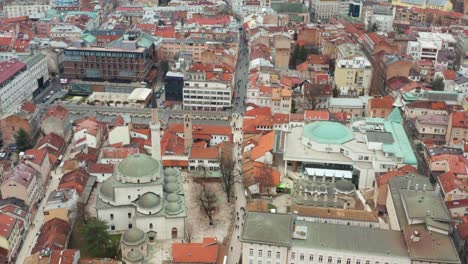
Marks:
<point>293,255</point>
<point>330,259</point>
<point>278,255</point>
<point>112,216</point>
<point>348,261</point>
<point>301,257</point>
<point>320,259</point>
<point>130,226</point>
<point>112,227</point>
<point>358,261</point>
<point>129,215</point>
<point>311,257</point>
<point>260,253</point>
<point>269,254</point>
<point>151,225</point>
<point>367,262</point>
<point>251,252</point>
<point>174,232</point>
<point>251,261</point>
<point>338,261</point>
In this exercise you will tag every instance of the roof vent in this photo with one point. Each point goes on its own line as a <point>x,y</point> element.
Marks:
<point>415,237</point>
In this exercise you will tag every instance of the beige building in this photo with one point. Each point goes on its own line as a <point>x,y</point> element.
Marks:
<point>353,76</point>
<point>170,47</point>
<point>22,182</point>
<point>281,101</point>
<point>10,235</point>
<point>431,127</point>
<point>60,204</point>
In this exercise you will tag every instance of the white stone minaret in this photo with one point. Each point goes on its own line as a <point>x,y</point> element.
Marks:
<point>188,137</point>
<point>155,127</point>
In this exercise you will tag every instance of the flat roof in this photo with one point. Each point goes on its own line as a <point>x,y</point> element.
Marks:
<point>267,228</point>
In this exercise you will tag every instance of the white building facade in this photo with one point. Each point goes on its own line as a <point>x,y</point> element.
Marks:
<point>35,9</point>
<point>207,95</point>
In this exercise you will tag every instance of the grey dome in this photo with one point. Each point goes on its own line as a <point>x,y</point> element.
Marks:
<point>170,172</point>
<point>107,190</point>
<point>171,187</point>
<point>135,255</point>
<point>149,200</point>
<point>138,165</point>
<point>172,197</point>
<point>168,179</point>
<point>344,186</point>
<point>173,208</point>
<point>133,236</point>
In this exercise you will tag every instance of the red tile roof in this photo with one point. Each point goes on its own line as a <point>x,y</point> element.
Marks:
<point>382,102</point>
<point>200,130</point>
<point>316,115</point>
<point>261,170</point>
<point>58,112</point>
<point>29,107</point>
<point>449,75</point>
<point>434,105</point>
<point>318,59</point>
<point>142,131</point>
<point>91,125</point>
<point>456,163</point>
<point>9,68</point>
<point>204,153</point>
<point>101,168</point>
<point>374,37</point>
<point>449,182</point>
<point>66,256</point>
<point>457,203</point>
<point>175,163</point>
<point>460,119</point>
<point>7,223</point>
<point>51,139</point>
<point>462,230</point>
<point>38,154</point>
<point>385,178</point>
<point>265,144</point>
<point>53,235</point>
<point>118,153</point>
<point>261,111</point>
<point>76,179</point>
<point>205,252</point>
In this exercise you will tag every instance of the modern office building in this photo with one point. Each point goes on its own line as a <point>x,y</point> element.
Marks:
<point>131,58</point>
<point>207,95</point>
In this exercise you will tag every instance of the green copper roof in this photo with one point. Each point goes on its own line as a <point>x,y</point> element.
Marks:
<point>138,165</point>
<point>89,38</point>
<point>327,132</point>
<point>135,255</point>
<point>133,236</point>
<point>149,200</point>
<point>395,116</point>
<point>107,190</point>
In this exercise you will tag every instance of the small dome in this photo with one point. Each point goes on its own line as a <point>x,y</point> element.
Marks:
<point>149,200</point>
<point>171,187</point>
<point>107,191</point>
<point>173,208</point>
<point>168,179</point>
<point>135,255</point>
<point>170,172</point>
<point>172,197</point>
<point>133,236</point>
<point>344,186</point>
<point>138,166</point>
<point>327,132</point>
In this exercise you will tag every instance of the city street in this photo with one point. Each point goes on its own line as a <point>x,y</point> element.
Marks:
<point>36,224</point>
<point>241,77</point>
<point>235,246</point>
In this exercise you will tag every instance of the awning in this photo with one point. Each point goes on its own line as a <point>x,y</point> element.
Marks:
<point>329,173</point>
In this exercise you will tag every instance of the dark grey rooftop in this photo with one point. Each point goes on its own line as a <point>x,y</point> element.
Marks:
<point>267,228</point>
<point>381,137</point>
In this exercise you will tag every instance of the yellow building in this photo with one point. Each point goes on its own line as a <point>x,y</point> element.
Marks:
<point>444,5</point>
<point>353,76</point>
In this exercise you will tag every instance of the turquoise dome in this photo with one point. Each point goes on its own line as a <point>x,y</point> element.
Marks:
<point>327,132</point>
<point>138,166</point>
<point>149,200</point>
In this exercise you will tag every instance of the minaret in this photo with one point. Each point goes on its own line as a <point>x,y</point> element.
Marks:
<point>188,138</point>
<point>155,127</point>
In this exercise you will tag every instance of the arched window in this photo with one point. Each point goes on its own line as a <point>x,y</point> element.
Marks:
<point>174,232</point>
<point>151,225</point>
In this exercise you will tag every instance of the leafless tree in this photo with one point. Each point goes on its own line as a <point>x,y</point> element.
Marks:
<point>188,232</point>
<point>227,166</point>
<point>265,179</point>
<point>207,200</point>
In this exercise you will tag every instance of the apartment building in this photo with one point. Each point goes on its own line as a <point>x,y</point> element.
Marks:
<point>429,44</point>
<point>207,95</point>
<point>323,10</point>
<point>33,9</point>
<point>11,229</point>
<point>382,17</point>
<point>444,5</point>
<point>129,58</point>
<point>170,47</point>
<point>353,76</point>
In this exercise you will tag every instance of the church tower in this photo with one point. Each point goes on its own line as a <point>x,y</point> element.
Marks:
<point>188,139</point>
<point>155,127</point>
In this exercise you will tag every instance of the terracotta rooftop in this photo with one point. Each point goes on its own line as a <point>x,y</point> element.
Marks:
<point>265,144</point>
<point>204,153</point>
<point>28,107</point>
<point>58,112</point>
<point>460,119</point>
<point>51,139</point>
<point>449,74</point>
<point>434,105</point>
<point>101,168</point>
<point>381,102</point>
<point>449,182</point>
<point>117,153</point>
<point>318,59</point>
<point>7,223</point>
<point>75,179</point>
<point>171,144</point>
<point>205,252</point>
<point>9,68</point>
<point>38,154</point>
<point>53,235</point>
<point>316,115</point>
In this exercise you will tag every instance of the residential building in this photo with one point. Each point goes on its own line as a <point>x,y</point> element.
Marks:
<point>101,171</point>
<point>207,95</point>
<point>60,204</point>
<point>39,160</point>
<point>281,101</point>
<point>374,145</point>
<point>66,31</point>
<point>87,132</point>
<point>381,17</point>
<point>282,238</point>
<point>441,5</point>
<point>429,44</point>
<point>32,9</point>
<point>203,158</point>
<point>420,108</point>
<point>385,67</point>
<point>57,121</point>
<point>457,208</point>
<point>53,143</point>
<point>316,96</point>
<point>129,58</point>
<point>53,236</point>
<point>380,106</point>
<point>16,84</point>
<point>22,182</point>
<point>10,236</point>
<point>205,252</point>
<point>67,256</point>
<point>324,10</point>
<point>113,155</point>
<point>353,76</point>
<point>457,127</point>
<point>453,188</point>
<point>212,134</point>
<point>354,107</point>
<point>141,195</point>
<point>432,128</point>
<point>74,180</point>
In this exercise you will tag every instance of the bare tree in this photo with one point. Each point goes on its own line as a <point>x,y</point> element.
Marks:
<point>227,166</point>
<point>188,232</point>
<point>264,177</point>
<point>207,199</point>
